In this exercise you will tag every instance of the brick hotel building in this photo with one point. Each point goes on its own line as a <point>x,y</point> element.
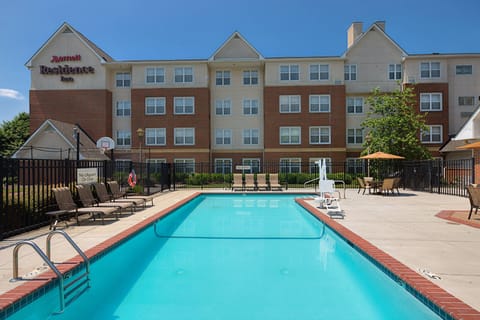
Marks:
<point>238,107</point>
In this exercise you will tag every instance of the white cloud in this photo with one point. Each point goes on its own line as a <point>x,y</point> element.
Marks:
<point>12,94</point>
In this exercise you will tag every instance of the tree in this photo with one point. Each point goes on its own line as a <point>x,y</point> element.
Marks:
<point>393,125</point>
<point>14,133</point>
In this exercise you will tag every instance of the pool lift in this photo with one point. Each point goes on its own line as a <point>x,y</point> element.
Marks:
<point>65,290</point>
<point>326,193</point>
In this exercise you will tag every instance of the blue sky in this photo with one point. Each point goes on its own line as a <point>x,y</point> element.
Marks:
<point>183,29</point>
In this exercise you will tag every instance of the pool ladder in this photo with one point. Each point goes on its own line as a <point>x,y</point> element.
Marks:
<point>64,289</point>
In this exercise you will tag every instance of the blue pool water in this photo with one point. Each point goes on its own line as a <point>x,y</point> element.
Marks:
<point>235,257</point>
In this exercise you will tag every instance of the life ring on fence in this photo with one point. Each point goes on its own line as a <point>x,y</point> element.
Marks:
<point>132,179</point>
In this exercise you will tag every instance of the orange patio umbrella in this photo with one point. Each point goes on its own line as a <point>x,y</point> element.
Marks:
<point>474,145</point>
<point>381,155</point>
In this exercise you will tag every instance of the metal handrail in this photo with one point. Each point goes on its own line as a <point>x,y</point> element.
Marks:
<point>74,245</point>
<point>46,260</point>
<point>336,181</point>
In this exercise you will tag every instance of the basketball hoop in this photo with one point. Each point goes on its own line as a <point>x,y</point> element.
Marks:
<point>105,143</point>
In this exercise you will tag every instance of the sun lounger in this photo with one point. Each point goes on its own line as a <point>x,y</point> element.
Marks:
<point>237,182</point>
<point>262,181</point>
<point>273,181</point>
<point>88,200</point>
<point>249,181</point>
<point>104,197</point>
<point>117,193</point>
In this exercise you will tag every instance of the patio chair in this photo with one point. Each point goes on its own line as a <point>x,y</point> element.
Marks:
<point>387,186</point>
<point>237,182</point>
<point>64,200</point>
<point>104,197</point>
<point>87,199</point>
<point>273,182</point>
<point>262,181</point>
<point>249,181</point>
<point>117,193</point>
<point>474,197</point>
<point>363,185</point>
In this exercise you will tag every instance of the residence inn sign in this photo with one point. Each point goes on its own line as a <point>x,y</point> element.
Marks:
<point>66,71</point>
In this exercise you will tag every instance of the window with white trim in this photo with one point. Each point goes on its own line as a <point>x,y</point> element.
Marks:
<point>319,103</point>
<point>183,75</point>
<point>223,136</point>
<point>313,165</point>
<point>350,72</point>
<point>155,136</point>
<point>250,77</point>
<point>466,101</point>
<point>154,105</point>
<point>290,165</point>
<point>223,165</point>
<point>223,107</point>
<point>250,107</point>
<point>184,105</point>
<point>222,78</point>
<point>289,72</point>
<point>355,136</point>
<point>184,136</point>
<point>320,135</point>
<point>430,69</point>
<point>155,165</point>
<point>395,71</point>
<point>123,79</point>
<point>355,166</point>
<point>430,102</point>
<point>463,69</point>
<point>154,75</point>
<point>250,136</point>
<point>289,104</point>
<point>124,138</point>
<point>432,135</point>
<point>184,165</point>
<point>354,105</point>
<point>290,135</point>
<point>319,71</point>
<point>254,164</point>
<point>123,108</point>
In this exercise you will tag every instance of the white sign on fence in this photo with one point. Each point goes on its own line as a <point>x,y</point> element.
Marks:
<point>87,175</point>
<point>242,167</point>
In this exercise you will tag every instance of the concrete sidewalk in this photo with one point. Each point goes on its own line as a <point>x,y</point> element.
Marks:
<point>403,226</point>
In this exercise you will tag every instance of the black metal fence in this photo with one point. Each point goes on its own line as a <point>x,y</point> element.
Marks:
<point>26,188</point>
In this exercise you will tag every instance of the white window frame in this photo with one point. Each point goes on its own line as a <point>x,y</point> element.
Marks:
<point>289,135</point>
<point>427,136</point>
<point>157,103</point>
<point>124,138</point>
<point>223,165</point>
<point>428,101</point>
<point>251,136</point>
<point>223,137</point>
<point>123,108</point>
<point>322,105</point>
<point>355,165</point>
<point>355,105</point>
<point>158,135</point>
<point>187,165</point>
<point>182,136</point>
<point>355,136</point>
<point>350,72</point>
<point>289,72</point>
<point>286,104</point>
<point>320,133</point>
<point>290,165</point>
<point>429,70</point>
<point>183,74</point>
<point>254,163</point>
<point>154,75</point>
<point>123,79</point>
<point>250,107</point>
<point>250,77</point>
<point>154,164</point>
<point>224,106</point>
<point>394,71</point>
<point>181,105</point>
<point>223,78</point>
<point>319,72</point>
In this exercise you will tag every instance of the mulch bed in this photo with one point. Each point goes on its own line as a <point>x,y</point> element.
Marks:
<point>461,216</point>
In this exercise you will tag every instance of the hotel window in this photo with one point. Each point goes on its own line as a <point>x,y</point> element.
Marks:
<point>250,136</point>
<point>184,136</point>
<point>289,104</point>
<point>154,106</point>
<point>355,136</point>
<point>123,165</point>
<point>250,77</point>
<point>354,105</point>
<point>250,107</point>
<point>430,102</point>
<point>184,105</point>
<point>254,164</point>
<point>123,109</point>
<point>290,165</point>
<point>430,69</point>
<point>184,165</point>
<point>124,138</point>
<point>466,101</point>
<point>319,135</point>
<point>350,72</point>
<point>222,78</point>
<point>289,72</point>
<point>123,79</point>
<point>223,136</point>
<point>463,69</point>
<point>223,107</point>
<point>432,135</point>
<point>319,72</point>
<point>223,166</point>
<point>355,166</point>
<point>313,165</point>
<point>290,135</point>
<point>183,74</point>
<point>155,136</point>
<point>319,103</point>
<point>154,75</point>
<point>394,71</point>
<point>155,165</point>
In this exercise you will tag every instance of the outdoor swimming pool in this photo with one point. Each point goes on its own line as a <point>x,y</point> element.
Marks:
<point>236,256</point>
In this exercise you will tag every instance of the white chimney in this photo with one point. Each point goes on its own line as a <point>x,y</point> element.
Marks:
<point>353,32</point>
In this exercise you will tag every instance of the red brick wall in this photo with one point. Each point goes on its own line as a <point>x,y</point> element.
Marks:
<point>91,109</point>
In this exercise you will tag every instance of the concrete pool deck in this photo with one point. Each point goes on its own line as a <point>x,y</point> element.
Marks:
<point>404,227</point>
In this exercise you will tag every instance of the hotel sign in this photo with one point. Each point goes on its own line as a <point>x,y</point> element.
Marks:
<point>66,71</point>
